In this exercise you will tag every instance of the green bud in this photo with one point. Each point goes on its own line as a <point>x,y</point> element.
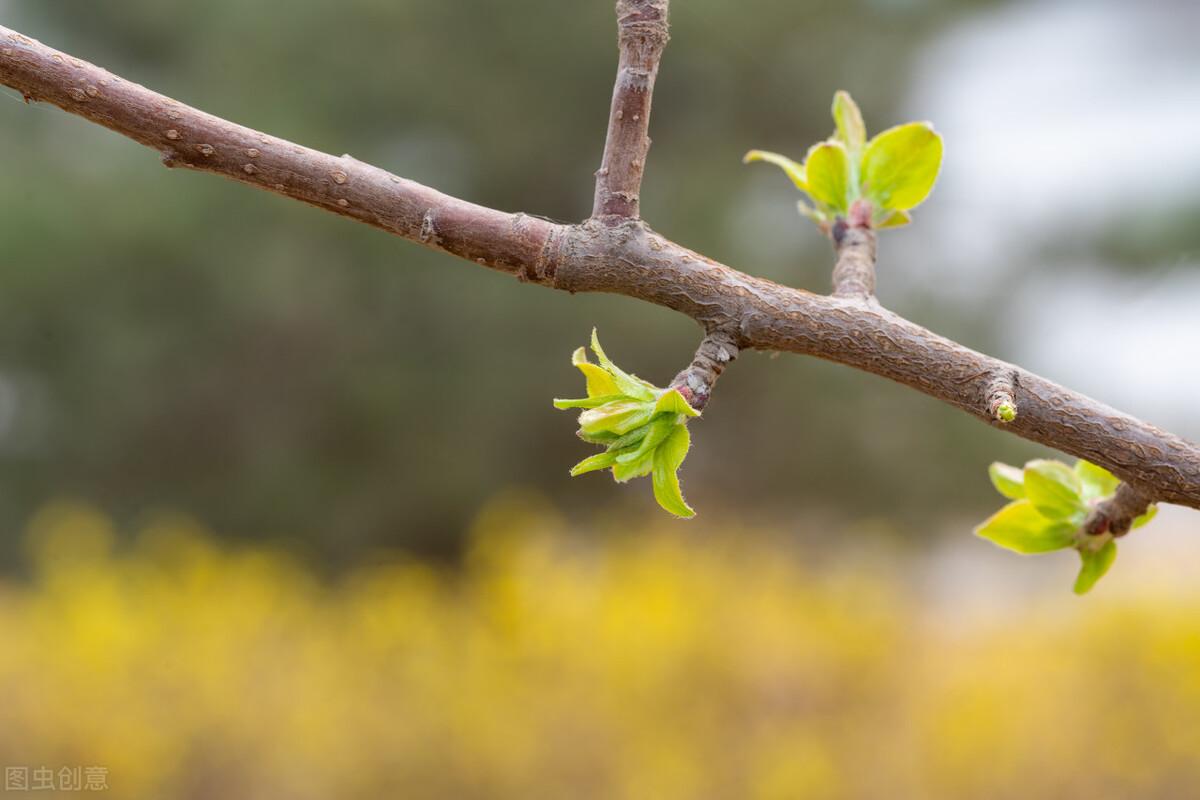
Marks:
<point>642,428</point>
<point>892,173</point>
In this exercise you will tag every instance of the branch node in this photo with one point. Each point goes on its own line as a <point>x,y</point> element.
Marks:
<point>1116,514</point>
<point>428,232</point>
<point>1000,397</point>
<point>696,382</point>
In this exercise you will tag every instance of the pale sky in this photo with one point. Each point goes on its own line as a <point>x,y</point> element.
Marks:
<point>1057,117</point>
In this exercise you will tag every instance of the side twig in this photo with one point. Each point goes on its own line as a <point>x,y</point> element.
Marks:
<point>642,35</point>
<point>1116,514</point>
<point>854,272</point>
<point>712,356</point>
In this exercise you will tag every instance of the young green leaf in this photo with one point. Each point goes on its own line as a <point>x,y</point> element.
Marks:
<point>1009,481</point>
<point>828,174</point>
<point>603,437</point>
<point>793,170</point>
<point>667,459</point>
<point>896,219</point>
<point>901,165</point>
<point>587,402</point>
<point>672,402</point>
<point>655,433</point>
<point>619,417</point>
<point>1097,481</point>
<point>1151,512</point>
<point>599,382</point>
<point>592,463</point>
<point>1054,490</point>
<point>1095,565</point>
<point>628,470</point>
<point>815,214</point>
<point>850,128</point>
<point>631,439</point>
<point>1020,528</point>
<point>643,428</point>
<point>627,384</point>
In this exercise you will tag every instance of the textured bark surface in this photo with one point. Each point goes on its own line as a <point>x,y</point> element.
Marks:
<point>614,252</point>
<point>641,36</point>
<point>1116,514</point>
<point>715,353</point>
<point>854,270</point>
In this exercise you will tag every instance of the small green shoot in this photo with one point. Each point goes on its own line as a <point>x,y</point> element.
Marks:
<point>883,179</point>
<point>1050,503</point>
<point>643,428</point>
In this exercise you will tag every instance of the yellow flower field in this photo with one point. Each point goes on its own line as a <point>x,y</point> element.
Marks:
<point>655,664</point>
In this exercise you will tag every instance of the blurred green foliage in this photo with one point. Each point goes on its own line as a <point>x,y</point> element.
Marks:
<point>174,340</point>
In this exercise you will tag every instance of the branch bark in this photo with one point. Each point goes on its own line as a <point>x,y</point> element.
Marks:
<point>854,270</point>
<point>642,36</point>
<point>615,252</point>
<point>1116,514</point>
<point>713,355</point>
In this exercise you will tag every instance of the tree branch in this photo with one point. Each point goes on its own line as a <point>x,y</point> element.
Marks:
<point>1116,514</point>
<point>619,256</point>
<point>642,35</point>
<point>854,271</point>
<point>712,356</point>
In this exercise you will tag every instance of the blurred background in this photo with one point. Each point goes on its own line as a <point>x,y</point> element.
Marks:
<point>284,507</point>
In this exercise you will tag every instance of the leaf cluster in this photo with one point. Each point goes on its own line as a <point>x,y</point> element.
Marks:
<point>643,428</point>
<point>1050,503</point>
<point>892,173</point>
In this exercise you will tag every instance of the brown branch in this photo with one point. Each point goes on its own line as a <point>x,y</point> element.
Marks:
<point>618,256</point>
<point>854,271</point>
<point>712,356</point>
<point>1116,514</point>
<point>642,35</point>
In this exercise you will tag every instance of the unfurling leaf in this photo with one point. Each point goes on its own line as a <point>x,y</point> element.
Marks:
<point>588,402</point>
<point>642,427</point>
<point>1009,481</point>
<point>637,468</point>
<point>672,402</point>
<point>815,214</point>
<point>655,434</point>
<point>666,479</point>
<point>794,171</point>
<point>885,177</point>
<point>1051,503</point>
<point>1095,564</point>
<point>619,417</point>
<point>1054,490</point>
<point>599,382</point>
<point>1020,528</point>
<point>1138,522</point>
<point>897,219</point>
<point>901,165</point>
<point>1097,481</point>
<point>828,175</point>
<point>592,463</point>
<point>627,384</point>
<point>850,128</point>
